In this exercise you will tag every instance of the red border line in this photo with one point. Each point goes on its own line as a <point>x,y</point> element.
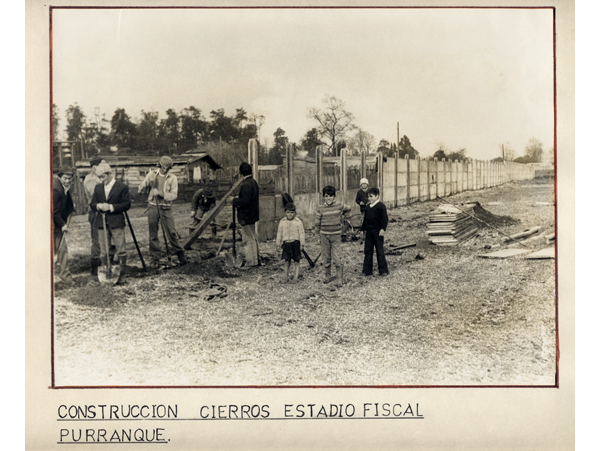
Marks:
<point>51,210</point>
<point>557,354</point>
<point>176,387</point>
<point>302,7</point>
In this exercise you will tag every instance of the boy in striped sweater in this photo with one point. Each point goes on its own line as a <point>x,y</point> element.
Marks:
<point>329,224</point>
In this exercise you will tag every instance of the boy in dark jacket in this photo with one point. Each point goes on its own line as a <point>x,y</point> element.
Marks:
<point>374,225</point>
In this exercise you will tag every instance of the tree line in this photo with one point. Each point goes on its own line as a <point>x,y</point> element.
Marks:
<point>177,132</point>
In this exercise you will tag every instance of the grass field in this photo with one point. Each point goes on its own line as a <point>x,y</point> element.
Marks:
<point>445,316</point>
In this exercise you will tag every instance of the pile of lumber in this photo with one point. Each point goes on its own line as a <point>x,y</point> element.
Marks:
<point>448,226</point>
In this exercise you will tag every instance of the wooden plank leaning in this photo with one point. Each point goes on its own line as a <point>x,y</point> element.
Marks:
<point>209,216</point>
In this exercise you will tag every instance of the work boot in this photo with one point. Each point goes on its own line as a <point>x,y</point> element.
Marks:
<point>327,277</point>
<point>182,259</point>
<point>340,275</point>
<point>95,264</point>
<point>122,265</point>
<point>112,252</point>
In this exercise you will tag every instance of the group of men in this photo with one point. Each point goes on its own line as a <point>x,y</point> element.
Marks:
<point>109,200</point>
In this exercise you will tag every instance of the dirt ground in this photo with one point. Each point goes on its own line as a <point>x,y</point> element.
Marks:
<point>444,316</point>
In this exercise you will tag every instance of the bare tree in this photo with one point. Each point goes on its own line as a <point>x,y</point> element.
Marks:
<point>334,120</point>
<point>442,146</point>
<point>507,151</point>
<point>362,141</point>
<point>534,150</point>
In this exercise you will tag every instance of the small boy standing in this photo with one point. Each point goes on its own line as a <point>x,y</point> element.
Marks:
<point>362,200</point>
<point>203,201</point>
<point>374,225</point>
<point>361,196</point>
<point>290,237</point>
<point>328,223</point>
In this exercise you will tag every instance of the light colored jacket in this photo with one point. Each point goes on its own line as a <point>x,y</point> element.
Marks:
<point>290,231</point>
<point>170,188</point>
<point>89,184</point>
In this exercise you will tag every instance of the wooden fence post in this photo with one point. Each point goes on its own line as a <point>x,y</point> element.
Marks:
<point>418,160</point>
<point>451,165</point>
<point>380,174</point>
<point>444,172</point>
<point>437,177</point>
<point>344,172</point>
<point>428,181</point>
<point>253,156</point>
<point>407,179</point>
<point>289,169</point>
<point>319,165</point>
<point>253,161</point>
<point>396,156</point>
<point>363,165</point>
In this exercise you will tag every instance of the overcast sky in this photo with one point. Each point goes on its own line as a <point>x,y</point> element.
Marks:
<point>470,78</point>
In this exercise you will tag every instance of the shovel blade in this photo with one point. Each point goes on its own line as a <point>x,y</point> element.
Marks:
<point>109,278</point>
<point>238,261</point>
<point>229,259</point>
<point>234,261</point>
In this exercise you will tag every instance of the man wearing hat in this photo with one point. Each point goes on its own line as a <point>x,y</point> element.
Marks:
<point>163,191</point>
<point>203,201</point>
<point>89,185</point>
<point>111,198</point>
<point>62,208</point>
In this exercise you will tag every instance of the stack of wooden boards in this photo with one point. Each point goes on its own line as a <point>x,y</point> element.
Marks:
<point>448,226</point>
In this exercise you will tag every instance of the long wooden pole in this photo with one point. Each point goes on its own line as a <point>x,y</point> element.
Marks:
<point>207,218</point>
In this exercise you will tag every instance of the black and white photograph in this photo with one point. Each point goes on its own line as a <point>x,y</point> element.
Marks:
<point>303,197</point>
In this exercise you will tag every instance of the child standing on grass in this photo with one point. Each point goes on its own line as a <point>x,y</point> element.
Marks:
<point>374,224</point>
<point>290,237</point>
<point>362,200</point>
<point>328,224</point>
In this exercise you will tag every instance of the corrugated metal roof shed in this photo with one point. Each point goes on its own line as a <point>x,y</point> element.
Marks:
<point>151,160</point>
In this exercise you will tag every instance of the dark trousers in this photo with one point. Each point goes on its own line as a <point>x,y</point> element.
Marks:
<point>373,240</point>
<point>95,239</point>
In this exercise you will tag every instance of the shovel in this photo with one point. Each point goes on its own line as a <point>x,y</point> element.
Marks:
<point>108,275</point>
<point>62,238</point>
<point>233,259</point>
<point>223,239</point>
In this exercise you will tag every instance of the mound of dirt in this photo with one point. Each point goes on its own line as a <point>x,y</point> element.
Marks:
<point>491,219</point>
<point>96,295</point>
